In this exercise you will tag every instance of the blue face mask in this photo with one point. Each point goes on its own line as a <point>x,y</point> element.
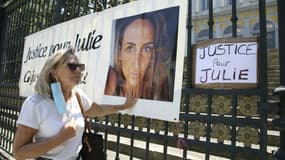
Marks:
<point>58,97</point>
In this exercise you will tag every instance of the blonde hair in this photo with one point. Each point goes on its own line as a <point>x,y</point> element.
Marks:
<point>42,85</point>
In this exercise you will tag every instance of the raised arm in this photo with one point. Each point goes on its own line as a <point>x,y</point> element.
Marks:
<point>102,110</point>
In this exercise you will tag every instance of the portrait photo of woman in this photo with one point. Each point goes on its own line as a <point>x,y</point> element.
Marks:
<point>144,58</point>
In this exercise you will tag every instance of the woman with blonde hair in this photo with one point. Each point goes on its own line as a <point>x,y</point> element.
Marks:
<point>50,127</point>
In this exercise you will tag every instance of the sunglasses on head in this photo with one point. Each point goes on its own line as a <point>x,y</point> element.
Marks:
<point>73,66</point>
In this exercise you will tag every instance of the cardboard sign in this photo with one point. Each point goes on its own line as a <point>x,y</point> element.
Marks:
<point>227,63</point>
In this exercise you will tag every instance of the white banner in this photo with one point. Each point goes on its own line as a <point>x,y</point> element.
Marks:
<point>107,42</point>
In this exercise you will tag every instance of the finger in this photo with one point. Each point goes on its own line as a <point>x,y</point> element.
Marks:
<point>131,94</point>
<point>131,102</point>
<point>134,101</point>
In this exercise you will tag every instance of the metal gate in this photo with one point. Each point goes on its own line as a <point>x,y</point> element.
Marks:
<point>214,124</point>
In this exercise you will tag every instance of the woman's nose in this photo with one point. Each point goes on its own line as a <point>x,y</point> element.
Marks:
<point>137,60</point>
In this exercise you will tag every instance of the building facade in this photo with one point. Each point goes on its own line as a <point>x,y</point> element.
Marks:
<point>247,24</point>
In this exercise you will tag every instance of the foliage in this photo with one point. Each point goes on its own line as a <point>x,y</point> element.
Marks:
<point>5,1</point>
<point>74,8</point>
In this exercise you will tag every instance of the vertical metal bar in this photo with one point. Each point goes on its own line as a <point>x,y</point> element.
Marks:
<point>234,18</point>
<point>281,26</point>
<point>1,126</point>
<point>44,14</point>
<point>35,12</point>
<point>94,7</point>
<point>8,120</point>
<point>31,20</point>
<point>29,17</point>
<point>208,129</point>
<point>147,139</point>
<point>4,45</point>
<point>12,47</point>
<point>68,6</point>
<point>233,131</point>
<point>86,10</point>
<point>263,44</point>
<point>63,15</point>
<point>10,136</point>
<point>3,24</point>
<point>186,125</point>
<point>106,137</point>
<point>47,6</point>
<point>118,138</point>
<point>1,6</point>
<point>57,16</point>
<point>11,41</point>
<point>263,77</point>
<point>16,34</point>
<point>281,11</point>
<point>39,16</point>
<point>17,41</point>
<point>83,8</point>
<point>189,77</point>
<point>166,140</point>
<point>7,41</point>
<point>24,24</point>
<point>78,5</point>
<point>5,132</point>
<point>132,138</point>
<point>51,10</point>
<point>13,124</point>
<point>105,4</point>
<point>280,154</point>
<point>211,19</point>
<point>24,27</point>
<point>189,43</point>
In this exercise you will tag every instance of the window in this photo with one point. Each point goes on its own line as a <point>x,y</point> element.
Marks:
<point>228,31</point>
<point>204,5</point>
<point>270,36</point>
<point>203,35</point>
<point>229,2</point>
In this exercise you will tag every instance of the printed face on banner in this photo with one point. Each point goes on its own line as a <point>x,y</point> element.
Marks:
<point>144,56</point>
